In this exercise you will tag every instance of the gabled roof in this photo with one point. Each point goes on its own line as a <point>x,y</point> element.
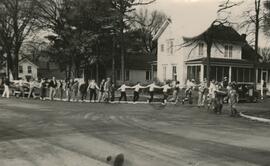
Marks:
<point>219,32</point>
<point>162,29</point>
<point>27,60</point>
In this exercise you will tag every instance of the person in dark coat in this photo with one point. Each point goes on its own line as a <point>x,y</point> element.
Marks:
<point>83,90</point>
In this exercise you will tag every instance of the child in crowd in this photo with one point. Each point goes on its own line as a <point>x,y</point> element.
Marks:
<point>32,86</point>
<point>68,89</point>
<point>165,88</point>
<point>107,90</point>
<point>176,90</point>
<point>21,84</point>
<point>188,92</point>
<point>101,91</point>
<point>6,88</point>
<point>122,89</point>
<point>152,88</point>
<point>136,93</point>
<point>42,89</point>
<point>75,90</point>
<point>233,99</point>
<point>92,87</point>
<point>83,90</point>
<point>202,93</point>
<point>53,86</point>
<point>112,92</point>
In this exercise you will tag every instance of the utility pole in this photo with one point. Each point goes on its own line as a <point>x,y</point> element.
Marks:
<point>257,29</point>
<point>113,59</point>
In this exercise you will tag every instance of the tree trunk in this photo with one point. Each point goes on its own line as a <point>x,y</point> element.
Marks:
<point>208,59</point>
<point>8,64</point>
<point>113,60</point>
<point>15,72</point>
<point>257,28</point>
<point>122,55</point>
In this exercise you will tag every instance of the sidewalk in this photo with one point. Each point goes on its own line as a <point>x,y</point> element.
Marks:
<point>256,111</point>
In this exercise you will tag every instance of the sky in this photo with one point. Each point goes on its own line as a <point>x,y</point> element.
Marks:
<point>192,17</point>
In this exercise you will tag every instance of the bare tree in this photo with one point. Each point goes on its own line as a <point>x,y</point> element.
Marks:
<point>148,23</point>
<point>17,21</point>
<point>123,9</point>
<point>265,53</point>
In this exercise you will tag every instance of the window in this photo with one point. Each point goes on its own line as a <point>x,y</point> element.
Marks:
<point>174,73</point>
<point>20,69</point>
<point>217,73</point>
<point>228,51</point>
<point>170,45</point>
<point>164,72</point>
<point>246,75</point>
<point>201,46</point>
<point>29,69</point>
<point>234,74</point>
<point>194,72</point>
<point>162,47</point>
<point>242,74</point>
<point>148,75</point>
<point>127,75</point>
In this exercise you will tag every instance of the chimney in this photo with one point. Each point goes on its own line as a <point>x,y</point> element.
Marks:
<point>244,36</point>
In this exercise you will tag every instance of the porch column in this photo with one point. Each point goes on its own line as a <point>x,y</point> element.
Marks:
<point>202,73</point>
<point>230,74</point>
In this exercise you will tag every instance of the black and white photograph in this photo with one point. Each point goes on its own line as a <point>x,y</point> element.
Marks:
<point>135,82</point>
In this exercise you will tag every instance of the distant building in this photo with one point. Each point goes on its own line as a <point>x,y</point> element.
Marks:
<point>231,56</point>
<point>138,68</point>
<point>27,69</point>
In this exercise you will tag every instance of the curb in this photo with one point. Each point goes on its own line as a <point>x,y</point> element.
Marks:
<point>255,118</point>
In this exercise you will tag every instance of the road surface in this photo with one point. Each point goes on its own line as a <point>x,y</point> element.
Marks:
<point>36,133</point>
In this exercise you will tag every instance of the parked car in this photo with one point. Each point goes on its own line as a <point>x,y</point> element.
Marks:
<point>14,85</point>
<point>247,92</point>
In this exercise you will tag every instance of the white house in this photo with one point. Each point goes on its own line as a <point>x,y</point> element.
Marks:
<point>27,69</point>
<point>181,58</point>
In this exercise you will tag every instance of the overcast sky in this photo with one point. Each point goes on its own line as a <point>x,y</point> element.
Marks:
<point>192,17</point>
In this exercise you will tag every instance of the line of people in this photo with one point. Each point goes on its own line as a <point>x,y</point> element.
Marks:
<point>73,89</point>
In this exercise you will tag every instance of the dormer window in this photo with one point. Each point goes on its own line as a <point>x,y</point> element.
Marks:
<point>201,46</point>
<point>228,51</point>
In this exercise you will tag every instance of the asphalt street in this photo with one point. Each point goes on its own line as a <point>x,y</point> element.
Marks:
<point>36,133</point>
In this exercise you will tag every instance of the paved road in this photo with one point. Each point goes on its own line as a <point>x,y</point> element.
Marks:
<point>35,133</point>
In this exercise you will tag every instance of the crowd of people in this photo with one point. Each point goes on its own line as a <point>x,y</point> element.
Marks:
<point>212,96</point>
